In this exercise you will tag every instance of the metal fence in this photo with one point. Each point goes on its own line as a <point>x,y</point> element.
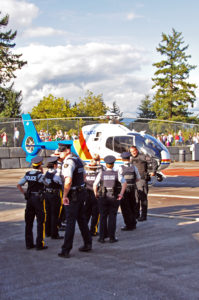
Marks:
<point>50,127</point>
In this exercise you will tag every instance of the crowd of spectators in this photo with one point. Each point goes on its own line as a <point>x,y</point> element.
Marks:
<point>59,136</point>
<point>177,139</point>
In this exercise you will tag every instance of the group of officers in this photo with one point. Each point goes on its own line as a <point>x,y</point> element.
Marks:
<point>87,194</point>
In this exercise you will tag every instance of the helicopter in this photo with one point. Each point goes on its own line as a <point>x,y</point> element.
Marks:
<point>102,138</point>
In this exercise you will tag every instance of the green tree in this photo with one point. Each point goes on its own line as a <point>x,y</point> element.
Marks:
<point>145,109</point>
<point>9,62</point>
<point>115,109</point>
<point>91,106</point>
<point>10,104</point>
<point>52,107</point>
<point>174,93</point>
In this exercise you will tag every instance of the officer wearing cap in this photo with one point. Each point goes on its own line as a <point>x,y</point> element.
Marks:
<point>143,163</point>
<point>111,192</point>
<point>53,191</point>
<point>74,195</point>
<point>91,204</point>
<point>35,205</point>
<point>128,202</point>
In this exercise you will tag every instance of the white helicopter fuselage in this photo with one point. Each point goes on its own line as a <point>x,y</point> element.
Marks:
<point>113,139</point>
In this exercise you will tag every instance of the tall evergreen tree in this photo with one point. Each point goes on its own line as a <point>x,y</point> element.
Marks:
<point>9,62</point>
<point>174,94</point>
<point>115,109</point>
<point>145,109</point>
<point>10,100</point>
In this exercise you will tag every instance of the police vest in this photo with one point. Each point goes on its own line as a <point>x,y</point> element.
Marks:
<point>33,181</point>
<point>129,174</point>
<point>109,183</point>
<point>90,178</point>
<point>49,182</point>
<point>78,174</point>
<point>141,164</point>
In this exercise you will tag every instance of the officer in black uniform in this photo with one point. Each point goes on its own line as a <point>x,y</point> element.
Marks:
<point>91,203</point>
<point>128,202</point>
<point>73,199</point>
<point>142,162</point>
<point>35,205</point>
<point>53,190</point>
<point>109,182</point>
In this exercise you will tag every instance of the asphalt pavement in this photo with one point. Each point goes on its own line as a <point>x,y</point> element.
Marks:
<point>158,260</point>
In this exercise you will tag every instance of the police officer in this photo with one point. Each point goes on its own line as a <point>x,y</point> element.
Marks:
<point>53,189</point>
<point>128,202</point>
<point>91,203</point>
<point>109,200</point>
<point>73,199</point>
<point>142,162</point>
<point>35,205</point>
<point>62,217</point>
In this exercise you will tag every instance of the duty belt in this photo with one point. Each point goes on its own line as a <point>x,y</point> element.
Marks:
<point>36,193</point>
<point>51,190</point>
<point>78,188</point>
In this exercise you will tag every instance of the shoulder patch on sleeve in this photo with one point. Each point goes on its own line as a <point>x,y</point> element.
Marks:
<point>66,165</point>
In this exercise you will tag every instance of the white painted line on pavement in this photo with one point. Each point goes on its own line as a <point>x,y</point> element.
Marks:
<point>13,203</point>
<point>174,217</point>
<point>174,196</point>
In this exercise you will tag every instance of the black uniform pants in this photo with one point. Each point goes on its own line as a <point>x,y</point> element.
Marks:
<point>141,197</point>
<point>53,202</point>
<point>75,211</point>
<point>92,211</point>
<point>35,207</point>
<point>108,216</point>
<point>128,208</point>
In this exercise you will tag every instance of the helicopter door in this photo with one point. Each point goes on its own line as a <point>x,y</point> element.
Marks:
<point>120,144</point>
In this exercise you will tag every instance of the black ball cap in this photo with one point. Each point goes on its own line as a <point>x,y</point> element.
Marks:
<point>125,155</point>
<point>63,147</point>
<point>37,161</point>
<point>52,159</point>
<point>110,159</point>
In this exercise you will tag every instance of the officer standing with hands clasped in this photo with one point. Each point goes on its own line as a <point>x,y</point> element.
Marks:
<point>74,196</point>
<point>109,182</point>
<point>91,203</point>
<point>128,202</point>
<point>35,205</point>
<point>142,162</point>
<point>53,189</point>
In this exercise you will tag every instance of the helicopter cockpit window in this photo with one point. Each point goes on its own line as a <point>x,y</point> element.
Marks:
<point>156,143</point>
<point>147,146</point>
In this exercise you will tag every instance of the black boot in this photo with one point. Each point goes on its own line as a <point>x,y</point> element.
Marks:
<point>142,218</point>
<point>86,248</point>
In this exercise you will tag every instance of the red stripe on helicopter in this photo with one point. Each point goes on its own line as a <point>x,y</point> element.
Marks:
<point>84,146</point>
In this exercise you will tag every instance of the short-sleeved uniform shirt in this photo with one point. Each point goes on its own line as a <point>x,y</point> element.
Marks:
<point>39,178</point>
<point>138,177</point>
<point>56,178</point>
<point>68,166</point>
<point>121,178</point>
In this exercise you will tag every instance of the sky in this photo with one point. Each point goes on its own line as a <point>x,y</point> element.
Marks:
<point>107,47</point>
